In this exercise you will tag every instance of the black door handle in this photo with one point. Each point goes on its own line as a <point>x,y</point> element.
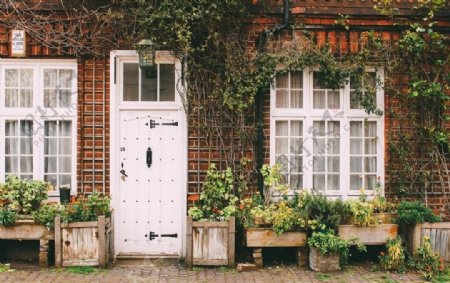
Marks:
<point>149,157</point>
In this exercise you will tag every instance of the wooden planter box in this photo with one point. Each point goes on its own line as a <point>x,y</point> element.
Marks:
<point>210,243</point>
<point>28,230</point>
<point>82,243</point>
<point>439,234</point>
<point>323,262</point>
<point>371,235</point>
<point>258,238</point>
<point>384,218</point>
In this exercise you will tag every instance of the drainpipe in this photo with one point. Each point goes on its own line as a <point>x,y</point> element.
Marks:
<point>259,101</point>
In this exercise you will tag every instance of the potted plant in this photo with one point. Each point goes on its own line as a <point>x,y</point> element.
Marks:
<point>18,199</point>
<point>328,252</point>
<point>418,221</point>
<point>211,222</point>
<point>369,223</point>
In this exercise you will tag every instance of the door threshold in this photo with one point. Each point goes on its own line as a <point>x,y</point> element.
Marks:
<point>146,256</point>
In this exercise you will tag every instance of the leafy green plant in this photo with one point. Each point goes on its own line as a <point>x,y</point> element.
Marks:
<point>394,258</point>
<point>87,209</point>
<point>46,214</point>
<point>410,213</point>
<point>24,196</point>
<point>7,217</point>
<point>217,199</point>
<point>327,243</point>
<point>426,260</point>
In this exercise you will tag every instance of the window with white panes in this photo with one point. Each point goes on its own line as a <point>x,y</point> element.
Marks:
<point>37,118</point>
<point>322,137</point>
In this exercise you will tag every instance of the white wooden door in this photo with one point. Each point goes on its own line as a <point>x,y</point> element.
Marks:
<point>150,171</point>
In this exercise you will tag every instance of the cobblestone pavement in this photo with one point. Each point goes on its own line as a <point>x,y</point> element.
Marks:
<point>173,271</point>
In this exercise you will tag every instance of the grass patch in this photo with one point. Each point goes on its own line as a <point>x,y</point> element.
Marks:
<point>196,268</point>
<point>82,269</point>
<point>322,276</point>
<point>224,269</point>
<point>5,267</point>
<point>444,277</point>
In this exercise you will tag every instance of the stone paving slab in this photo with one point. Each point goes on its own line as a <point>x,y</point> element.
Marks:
<point>174,271</point>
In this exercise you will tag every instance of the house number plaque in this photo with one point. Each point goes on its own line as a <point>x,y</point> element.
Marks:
<point>18,43</point>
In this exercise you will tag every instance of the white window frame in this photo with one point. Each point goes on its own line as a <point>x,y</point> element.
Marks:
<point>63,113</point>
<point>307,114</point>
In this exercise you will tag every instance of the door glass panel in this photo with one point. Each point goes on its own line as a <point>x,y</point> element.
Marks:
<point>149,85</point>
<point>130,81</point>
<point>167,82</point>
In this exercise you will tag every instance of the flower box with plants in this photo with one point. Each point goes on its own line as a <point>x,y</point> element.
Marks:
<point>279,221</point>
<point>18,200</point>
<point>417,222</point>
<point>372,220</point>
<point>82,230</point>
<point>210,231</point>
<point>328,252</point>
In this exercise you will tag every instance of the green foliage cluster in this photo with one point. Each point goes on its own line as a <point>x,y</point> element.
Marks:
<point>84,210</point>
<point>394,259</point>
<point>23,196</point>
<point>327,243</point>
<point>7,217</point>
<point>218,198</point>
<point>410,213</point>
<point>426,261</point>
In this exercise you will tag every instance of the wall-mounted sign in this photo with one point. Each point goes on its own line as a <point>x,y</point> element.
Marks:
<point>18,43</point>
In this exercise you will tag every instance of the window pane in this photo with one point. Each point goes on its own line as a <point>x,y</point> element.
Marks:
<point>319,99</point>
<point>296,146</point>
<point>355,129</point>
<point>370,129</point>
<point>356,164</point>
<point>130,82</point>
<point>26,164</point>
<point>65,146</point>
<point>65,180</point>
<point>51,179</point>
<point>50,98</point>
<point>333,164</point>
<point>355,182</point>
<point>11,128</point>
<point>282,81</point>
<point>50,78</point>
<point>65,78</point>
<point>282,99</point>
<point>50,129</point>
<point>11,164</point>
<point>371,164</point>
<point>167,82</point>
<point>50,165</point>
<point>334,129</point>
<point>296,99</point>
<point>296,128</point>
<point>296,164</point>
<point>319,128</point>
<point>319,164</point>
<point>296,80</point>
<point>50,146</point>
<point>371,146</point>
<point>26,146</point>
<point>319,182</point>
<point>355,146</point>
<point>370,80</point>
<point>333,182</point>
<point>296,182</point>
<point>26,128</point>
<point>26,98</point>
<point>319,146</point>
<point>333,146</point>
<point>11,98</point>
<point>333,100</point>
<point>65,129</point>
<point>281,128</point>
<point>281,146</point>
<point>65,97</point>
<point>26,78</point>
<point>12,78</point>
<point>11,146</point>
<point>370,182</point>
<point>64,165</point>
<point>149,85</point>
<point>283,161</point>
<point>318,80</point>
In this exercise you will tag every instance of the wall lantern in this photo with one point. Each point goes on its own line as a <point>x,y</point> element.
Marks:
<point>147,51</point>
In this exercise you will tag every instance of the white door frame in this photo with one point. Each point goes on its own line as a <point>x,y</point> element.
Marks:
<point>116,57</point>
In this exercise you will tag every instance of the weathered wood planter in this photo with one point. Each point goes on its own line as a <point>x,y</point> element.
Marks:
<point>82,243</point>
<point>28,230</point>
<point>371,235</point>
<point>439,234</point>
<point>258,238</point>
<point>210,243</point>
<point>323,262</point>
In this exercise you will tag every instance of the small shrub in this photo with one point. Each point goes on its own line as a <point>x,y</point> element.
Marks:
<point>46,214</point>
<point>410,213</point>
<point>426,261</point>
<point>24,196</point>
<point>394,259</point>
<point>7,217</point>
<point>87,209</point>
